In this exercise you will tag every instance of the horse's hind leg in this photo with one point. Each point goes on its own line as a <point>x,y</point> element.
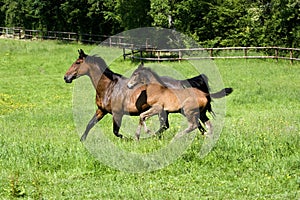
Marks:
<point>193,123</point>
<point>205,120</point>
<point>209,127</point>
<point>96,118</point>
<point>164,122</point>
<point>190,128</point>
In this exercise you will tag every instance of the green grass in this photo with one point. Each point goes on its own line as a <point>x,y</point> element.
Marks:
<point>256,157</point>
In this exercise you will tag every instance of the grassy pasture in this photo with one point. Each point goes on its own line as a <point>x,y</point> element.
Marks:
<point>256,157</point>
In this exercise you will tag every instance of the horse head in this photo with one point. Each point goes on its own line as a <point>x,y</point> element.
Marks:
<point>76,70</point>
<point>137,77</point>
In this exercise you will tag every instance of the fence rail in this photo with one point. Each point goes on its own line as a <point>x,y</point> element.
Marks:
<point>20,33</point>
<point>153,54</point>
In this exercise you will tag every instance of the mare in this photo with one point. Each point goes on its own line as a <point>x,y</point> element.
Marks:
<point>188,101</point>
<point>112,95</point>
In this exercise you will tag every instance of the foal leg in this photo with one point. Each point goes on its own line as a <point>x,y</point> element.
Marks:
<point>145,127</point>
<point>209,127</point>
<point>205,120</point>
<point>154,110</point>
<point>164,122</point>
<point>138,130</point>
<point>96,118</point>
<point>193,123</point>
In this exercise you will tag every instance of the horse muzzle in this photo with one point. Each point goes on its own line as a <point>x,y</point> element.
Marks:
<point>69,79</point>
<point>130,85</point>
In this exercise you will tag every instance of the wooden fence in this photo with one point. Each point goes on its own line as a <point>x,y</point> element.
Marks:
<point>20,33</point>
<point>153,54</point>
<point>147,52</point>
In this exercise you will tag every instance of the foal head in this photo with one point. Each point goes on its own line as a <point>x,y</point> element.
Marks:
<point>77,69</point>
<point>137,77</point>
<point>143,75</point>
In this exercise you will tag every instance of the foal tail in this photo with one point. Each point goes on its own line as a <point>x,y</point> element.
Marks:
<point>222,93</point>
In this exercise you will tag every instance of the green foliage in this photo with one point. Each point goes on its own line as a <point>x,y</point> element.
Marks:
<point>212,23</point>
<point>41,157</point>
<point>160,12</point>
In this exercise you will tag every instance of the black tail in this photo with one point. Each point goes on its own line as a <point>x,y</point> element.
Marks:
<point>224,92</point>
<point>200,82</point>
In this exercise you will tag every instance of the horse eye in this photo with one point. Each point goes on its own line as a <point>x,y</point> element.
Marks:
<point>77,63</point>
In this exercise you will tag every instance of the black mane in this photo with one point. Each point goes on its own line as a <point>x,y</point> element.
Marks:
<point>103,67</point>
<point>156,76</point>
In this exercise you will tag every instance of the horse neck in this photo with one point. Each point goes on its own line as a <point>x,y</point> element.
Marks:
<point>96,75</point>
<point>152,79</point>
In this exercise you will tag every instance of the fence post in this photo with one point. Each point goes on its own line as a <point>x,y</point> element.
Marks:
<point>245,52</point>
<point>147,39</point>
<point>109,41</point>
<point>141,53</point>
<point>180,55</point>
<point>276,54</point>
<point>211,53</point>
<point>158,56</point>
<point>119,42</point>
<point>124,56</point>
<point>20,34</point>
<point>132,53</point>
<point>291,56</point>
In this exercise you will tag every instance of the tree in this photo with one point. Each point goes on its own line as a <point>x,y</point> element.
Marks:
<point>161,12</point>
<point>128,14</point>
<point>212,23</point>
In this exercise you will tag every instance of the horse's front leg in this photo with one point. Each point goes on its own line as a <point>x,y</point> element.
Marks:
<point>138,130</point>
<point>145,127</point>
<point>154,110</point>
<point>95,119</point>
<point>117,121</point>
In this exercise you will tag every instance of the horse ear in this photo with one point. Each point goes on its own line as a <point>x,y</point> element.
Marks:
<point>81,53</point>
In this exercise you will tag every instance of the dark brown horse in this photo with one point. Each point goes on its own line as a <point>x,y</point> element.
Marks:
<point>188,101</point>
<point>112,95</point>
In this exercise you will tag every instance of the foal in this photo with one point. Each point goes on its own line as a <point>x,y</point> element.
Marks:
<point>189,101</point>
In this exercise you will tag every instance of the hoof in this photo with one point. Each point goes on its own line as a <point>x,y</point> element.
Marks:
<point>159,136</point>
<point>83,138</point>
<point>208,134</point>
<point>119,135</point>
